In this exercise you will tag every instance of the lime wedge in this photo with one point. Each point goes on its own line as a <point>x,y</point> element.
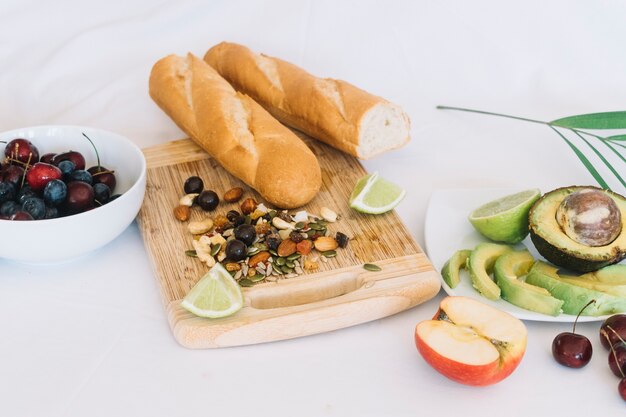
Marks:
<point>505,219</point>
<point>374,195</point>
<point>217,294</point>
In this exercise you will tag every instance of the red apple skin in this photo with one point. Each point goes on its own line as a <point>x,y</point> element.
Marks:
<point>474,375</point>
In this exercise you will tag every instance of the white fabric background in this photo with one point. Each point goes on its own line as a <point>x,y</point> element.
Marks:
<point>90,337</point>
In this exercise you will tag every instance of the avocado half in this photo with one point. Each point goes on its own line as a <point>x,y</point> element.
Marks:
<point>554,245</point>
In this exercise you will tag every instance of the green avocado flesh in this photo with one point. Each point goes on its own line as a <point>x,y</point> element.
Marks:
<point>480,264</point>
<point>613,274</point>
<point>451,270</point>
<point>574,297</point>
<point>554,245</point>
<point>508,269</point>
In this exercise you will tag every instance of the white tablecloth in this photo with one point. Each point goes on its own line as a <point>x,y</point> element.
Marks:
<point>90,337</point>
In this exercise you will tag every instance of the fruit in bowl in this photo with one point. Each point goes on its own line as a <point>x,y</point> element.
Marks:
<point>54,186</point>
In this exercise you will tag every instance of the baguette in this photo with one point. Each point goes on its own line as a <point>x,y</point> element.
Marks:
<point>237,132</point>
<point>333,111</point>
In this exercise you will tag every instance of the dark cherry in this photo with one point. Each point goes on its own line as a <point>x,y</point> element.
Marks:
<point>41,174</point>
<point>193,185</point>
<point>80,197</point>
<point>246,233</point>
<point>21,215</point>
<point>571,349</point>
<point>76,157</point>
<point>621,388</point>
<point>236,250</point>
<point>47,157</point>
<point>208,200</point>
<point>617,359</point>
<point>13,174</point>
<point>608,337</point>
<point>22,150</point>
<point>104,176</point>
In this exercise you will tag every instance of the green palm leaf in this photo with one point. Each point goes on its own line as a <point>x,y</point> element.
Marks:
<point>607,120</point>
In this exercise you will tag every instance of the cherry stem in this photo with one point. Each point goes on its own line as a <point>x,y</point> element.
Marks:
<point>581,312</point>
<point>94,148</point>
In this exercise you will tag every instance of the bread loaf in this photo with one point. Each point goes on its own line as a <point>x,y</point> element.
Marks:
<point>332,111</point>
<point>244,138</point>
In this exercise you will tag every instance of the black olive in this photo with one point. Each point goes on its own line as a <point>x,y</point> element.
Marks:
<point>236,250</point>
<point>193,185</point>
<point>232,215</point>
<point>246,233</point>
<point>208,200</point>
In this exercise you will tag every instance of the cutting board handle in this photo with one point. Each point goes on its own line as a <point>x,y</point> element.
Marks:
<point>294,292</point>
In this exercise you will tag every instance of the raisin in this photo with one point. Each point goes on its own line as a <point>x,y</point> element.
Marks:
<point>296,236</point>
<point>342,239</point>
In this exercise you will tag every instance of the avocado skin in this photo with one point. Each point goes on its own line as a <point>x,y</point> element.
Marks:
<point>570,261</point>
<point>573,260</point>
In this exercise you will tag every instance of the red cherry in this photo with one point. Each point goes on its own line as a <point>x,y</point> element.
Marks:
<point>80,197</point>
<point>617,325</point>
<point>617,359</point>
<point>621,388</point>
<point>21,215</point>
<point>76,157</point>
<point>41,174</point>
<point>13,174</point>
<point>103,175</point>
<point>47,157</point>
<point>22,150</point>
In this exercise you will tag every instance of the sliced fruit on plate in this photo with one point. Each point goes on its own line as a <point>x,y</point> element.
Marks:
<point>505,219</point>
<point>574,297</point>
<point>451,270</point>
<point>480,264</point>
<point>470,342</point>
<point>217,294</point>
<point>373,194</point>
<point>508,269</point>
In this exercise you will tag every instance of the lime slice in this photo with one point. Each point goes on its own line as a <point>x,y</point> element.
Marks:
<point>374,195</point>
<point>217,294</point>
<point>505,219</point>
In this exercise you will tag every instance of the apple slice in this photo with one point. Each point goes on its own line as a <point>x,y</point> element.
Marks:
<point>471,342</point>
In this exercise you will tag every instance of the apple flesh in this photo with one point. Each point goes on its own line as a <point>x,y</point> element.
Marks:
<point>470,342</point>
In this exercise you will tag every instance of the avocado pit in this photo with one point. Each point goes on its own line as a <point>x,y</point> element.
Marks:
<point>590,217</point>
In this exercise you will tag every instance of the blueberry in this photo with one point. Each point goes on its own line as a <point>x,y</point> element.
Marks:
<point>8,208</point>
<point>24,193</point>
<point>81,175</point>
<point>7,191</point>
<point>51,212</point>
<point>66,167</point>
<point>114,197</point>
<point>55,192</point>
<point>35,207</point>
<point>102,193</point>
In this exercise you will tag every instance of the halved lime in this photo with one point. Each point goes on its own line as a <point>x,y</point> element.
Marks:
<point>505,219</point>
<point>375,195</point>
<point>217,294</point>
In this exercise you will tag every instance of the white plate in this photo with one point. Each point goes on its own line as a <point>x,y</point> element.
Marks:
<point>448,230</point>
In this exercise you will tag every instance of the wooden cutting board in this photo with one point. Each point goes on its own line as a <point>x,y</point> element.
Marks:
<point>340,293</point>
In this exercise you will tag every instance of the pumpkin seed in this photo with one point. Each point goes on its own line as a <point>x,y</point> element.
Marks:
<point>286,269</point>
<point>322,223</point>
<point>273,252</point>
<point>293,257</point>
<point>372,267</point>
<point>246,283</point>
<point>248,220</point>
<point>257,277</point>
<point>299,225</point>
<point>310,233</point>
<point>280,261</point>
<point>316,226</point>
<point>262,246</point>
<point>253,250</point>
<point>215,249</point>
<point>191,253</point>
<point>290,264</point>
<point>273,213</point>
<point>330,253</point>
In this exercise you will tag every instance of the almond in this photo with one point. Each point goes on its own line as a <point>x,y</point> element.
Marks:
<point>258,258</point>
<point>182,213</point>
<point>248,205</point>
<point>287,247</point>
<point>304,247</point>
<point>324,243</point>
<point>233,195</point>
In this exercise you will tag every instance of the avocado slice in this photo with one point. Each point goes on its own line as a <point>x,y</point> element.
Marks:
<point>480,264</point>
<point>557,247</point>
<point>574,297</point>
<point>451,270</point>
<point>612,274</point>
<point>618,290</point>
<point>507,270</point>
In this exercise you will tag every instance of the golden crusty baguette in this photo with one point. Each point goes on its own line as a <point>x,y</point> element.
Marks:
<point>244,138</point>
<point>332,111</point>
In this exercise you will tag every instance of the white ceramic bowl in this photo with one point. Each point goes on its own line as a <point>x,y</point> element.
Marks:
<point>65,238</point>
